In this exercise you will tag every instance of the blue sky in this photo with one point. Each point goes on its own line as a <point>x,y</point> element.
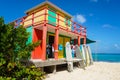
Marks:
<point>100,17</point>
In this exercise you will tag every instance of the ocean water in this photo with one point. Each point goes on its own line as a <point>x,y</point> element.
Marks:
<point>106,57</point>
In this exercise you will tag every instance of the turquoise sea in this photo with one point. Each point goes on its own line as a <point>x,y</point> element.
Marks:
<point>106,57</point>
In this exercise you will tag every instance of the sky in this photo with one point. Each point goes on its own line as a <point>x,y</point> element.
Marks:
<point>100,17</point>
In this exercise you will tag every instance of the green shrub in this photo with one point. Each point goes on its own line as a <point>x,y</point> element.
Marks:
<point>13,48</point>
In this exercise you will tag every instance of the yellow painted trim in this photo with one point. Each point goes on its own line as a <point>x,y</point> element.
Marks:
<point>29,21</point>
<point>52,34</point>
<point>61,53</point>
<point>39,13</point>
<point>66,39</point>
<point>40,18</point>
<point>38,9</point>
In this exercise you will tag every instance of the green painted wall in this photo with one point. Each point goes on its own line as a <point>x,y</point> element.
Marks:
<point>64,52</point>
<point>52,17</point>
<point>67,21</point>
<point>30,30</point>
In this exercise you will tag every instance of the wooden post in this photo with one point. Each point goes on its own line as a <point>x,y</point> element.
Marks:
<point>84,35</point>
<point>54,69</point>
<point>79,40</point>
<point>56,40</point>
<point>84,40</point>
<point>44,36</point>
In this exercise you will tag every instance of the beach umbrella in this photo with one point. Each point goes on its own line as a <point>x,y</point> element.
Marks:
<point>88,41</point>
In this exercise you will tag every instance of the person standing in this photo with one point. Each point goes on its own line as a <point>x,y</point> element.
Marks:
<point>53,50</point>
<point>48,50</point>
<point>73,51</point>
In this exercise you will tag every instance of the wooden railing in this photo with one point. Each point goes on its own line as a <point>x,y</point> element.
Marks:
<point>72,26</point>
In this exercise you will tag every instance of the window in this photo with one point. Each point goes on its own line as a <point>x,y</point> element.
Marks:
<point>67,22</point>
<point>51,17</point>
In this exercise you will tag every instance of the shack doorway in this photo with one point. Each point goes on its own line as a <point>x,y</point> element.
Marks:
<point>50,48</point>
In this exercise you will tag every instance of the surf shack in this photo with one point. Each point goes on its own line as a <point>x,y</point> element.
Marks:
<point>51,25</point>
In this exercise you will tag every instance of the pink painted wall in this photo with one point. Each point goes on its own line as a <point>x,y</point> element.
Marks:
<point>37,53</point>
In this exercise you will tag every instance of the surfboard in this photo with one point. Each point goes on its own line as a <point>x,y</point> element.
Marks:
<point>90,55</point>
<point>87,56</point>
<point>68,52</point>
<point>69,57</point>
<point>84,54</point>
<point>79,54</point>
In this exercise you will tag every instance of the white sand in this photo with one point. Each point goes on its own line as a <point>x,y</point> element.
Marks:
<point>97,71</point>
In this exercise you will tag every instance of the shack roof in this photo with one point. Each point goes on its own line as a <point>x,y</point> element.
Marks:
<point>48,3</point>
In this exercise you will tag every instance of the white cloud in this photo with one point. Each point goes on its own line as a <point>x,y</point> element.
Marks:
<point>99,0</point>
<point>107,26</point>
<point>94,0</point>
<point>79,18</point>
<point>117,46</point>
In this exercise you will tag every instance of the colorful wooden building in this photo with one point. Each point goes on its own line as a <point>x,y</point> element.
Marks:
<point>51,25</point>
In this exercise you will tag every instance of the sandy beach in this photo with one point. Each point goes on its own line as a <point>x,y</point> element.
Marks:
<point>97,71</point>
